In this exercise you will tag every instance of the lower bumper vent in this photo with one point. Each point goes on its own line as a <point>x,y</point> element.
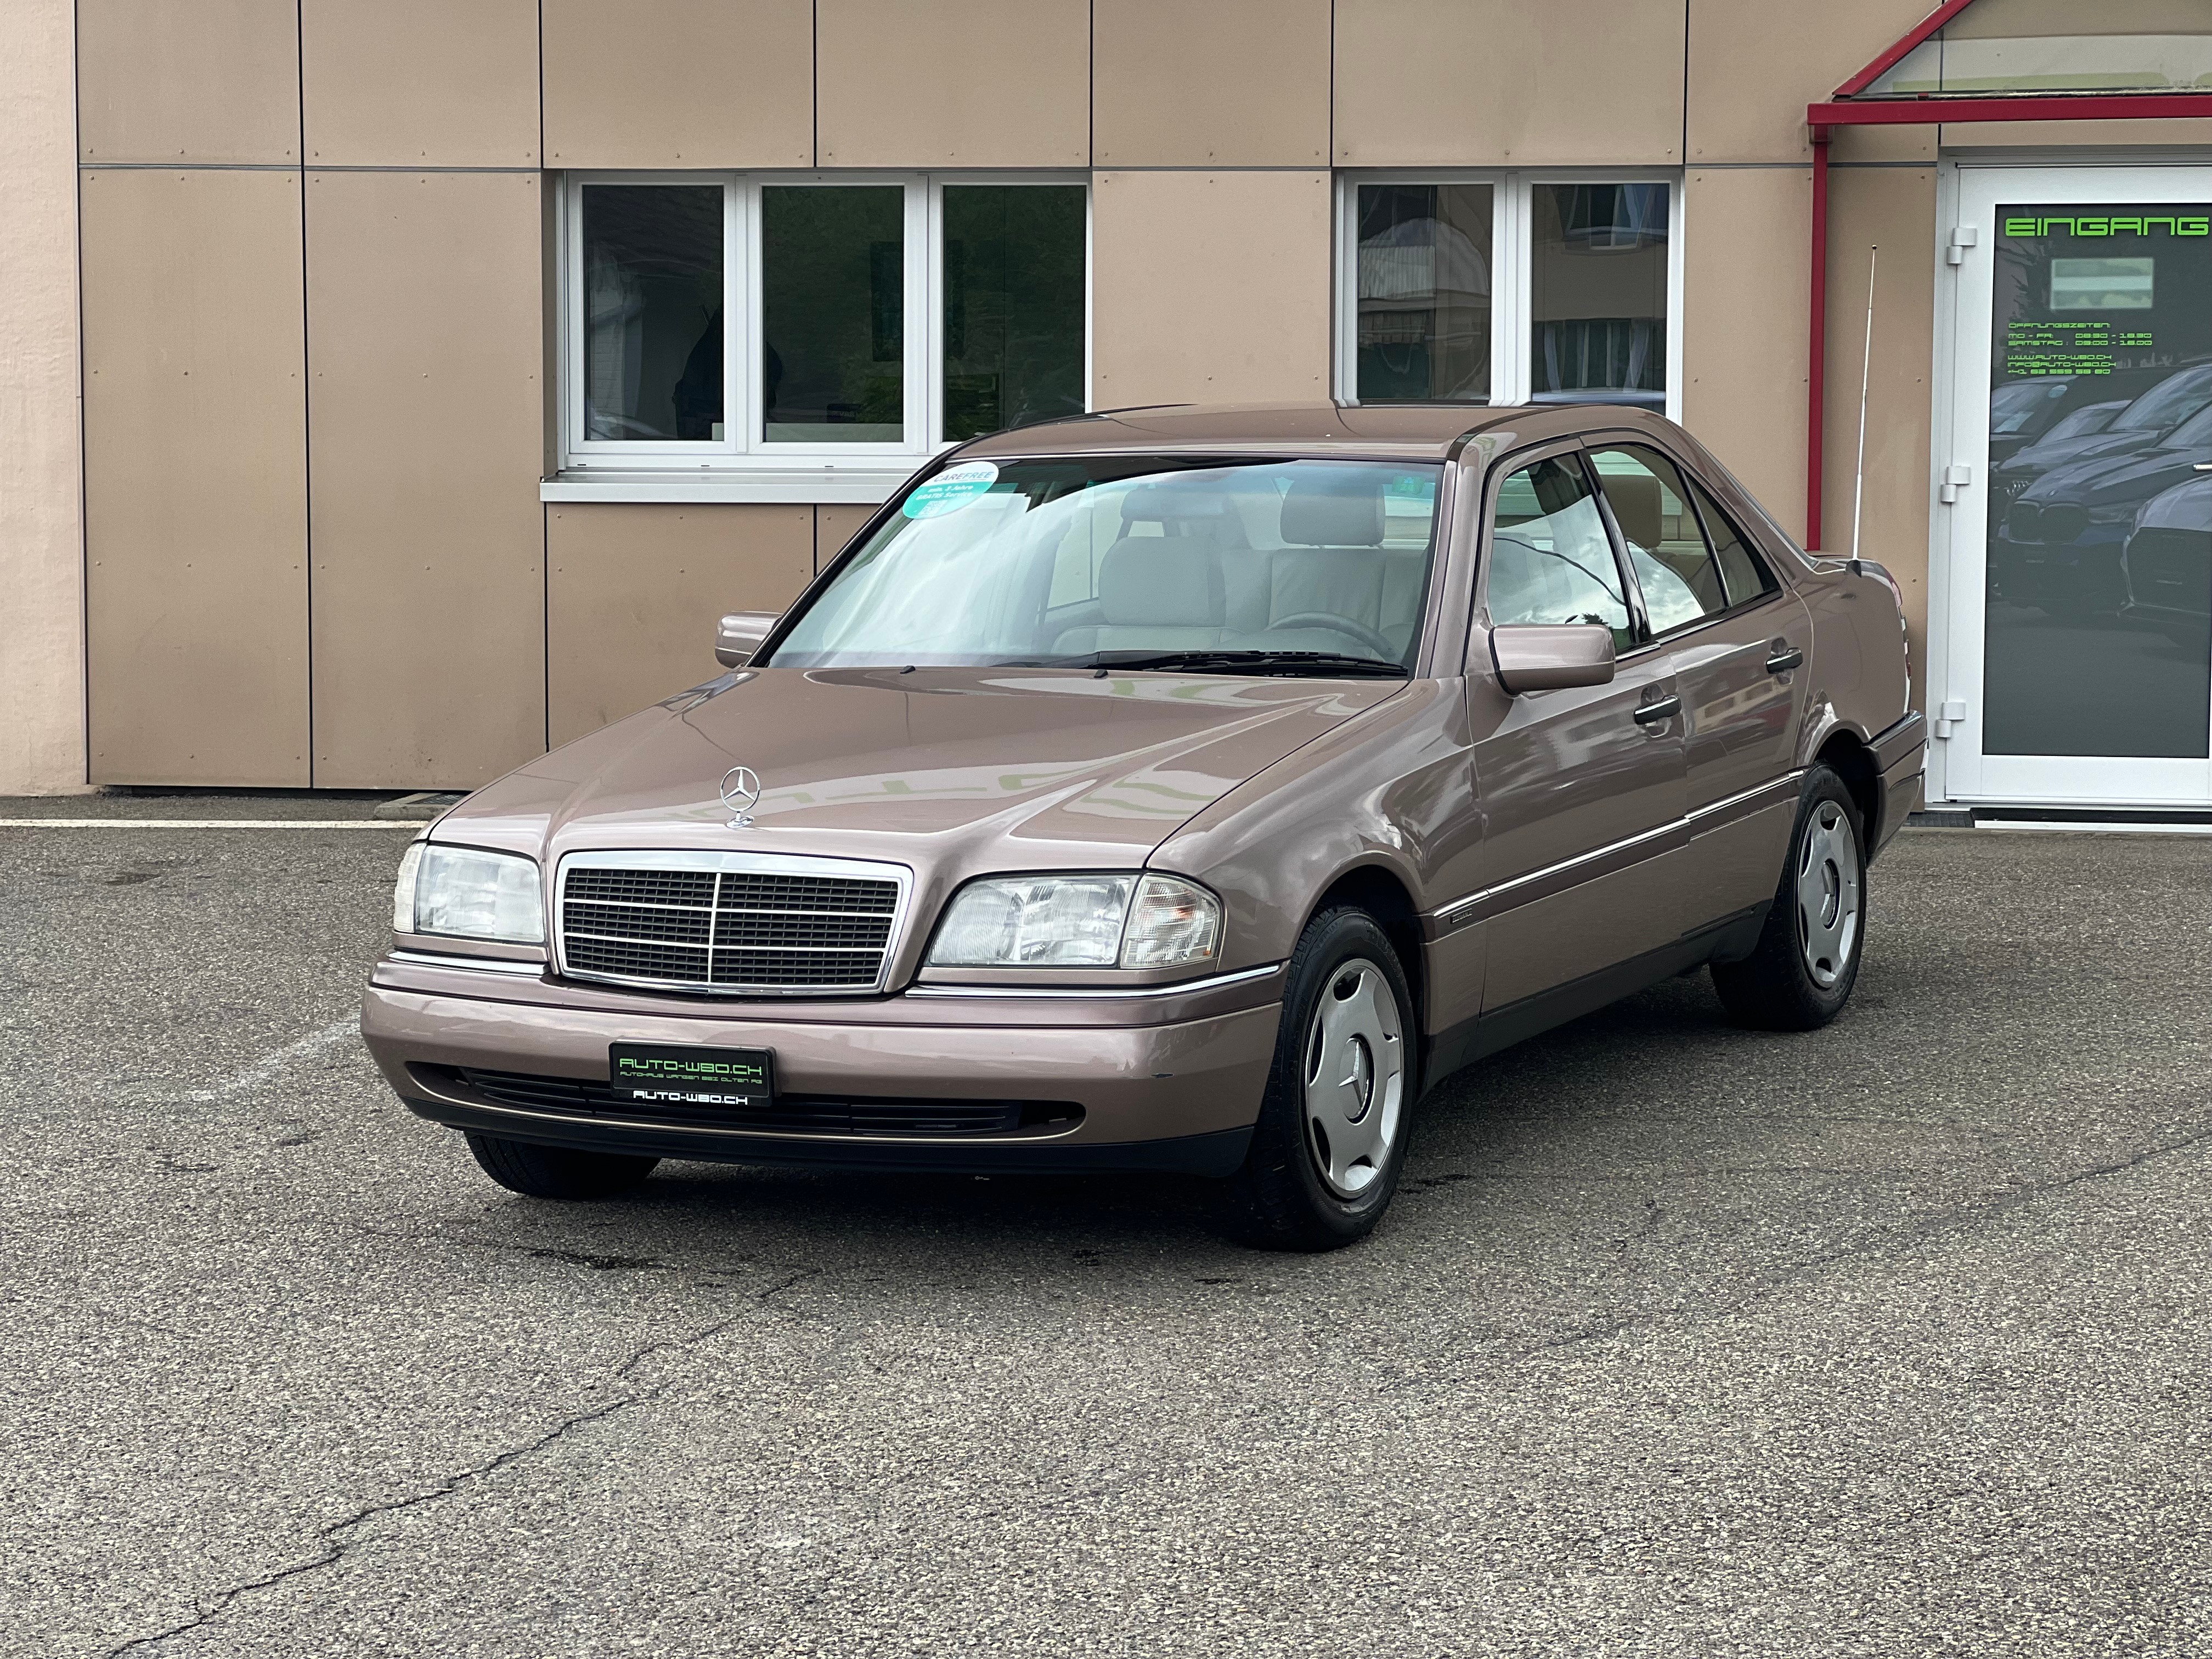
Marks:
<point>791,1114</point>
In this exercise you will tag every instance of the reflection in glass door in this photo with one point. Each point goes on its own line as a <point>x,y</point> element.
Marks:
<point>2084,380</point>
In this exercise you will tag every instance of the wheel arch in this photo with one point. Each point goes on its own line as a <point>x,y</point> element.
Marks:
<point>1850,759</point>
<point>1380,891</point>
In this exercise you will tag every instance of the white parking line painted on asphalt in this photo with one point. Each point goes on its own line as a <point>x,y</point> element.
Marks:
<point>215,824</point>
<point>269,1064</point>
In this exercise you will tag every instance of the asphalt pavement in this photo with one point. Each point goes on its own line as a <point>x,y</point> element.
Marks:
<point>1889,1339</point>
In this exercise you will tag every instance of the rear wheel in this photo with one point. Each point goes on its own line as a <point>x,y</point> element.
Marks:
<point>1333,1126</point>
<point>536,1171</point>
<point>1801,973</point>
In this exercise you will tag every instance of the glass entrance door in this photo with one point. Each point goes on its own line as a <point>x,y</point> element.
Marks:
<point>2081,549</point>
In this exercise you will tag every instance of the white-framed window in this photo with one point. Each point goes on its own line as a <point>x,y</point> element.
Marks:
<point>1509,286</point>
<point>879,317</point>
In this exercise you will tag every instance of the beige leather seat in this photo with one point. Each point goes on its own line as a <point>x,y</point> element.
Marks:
<point>1163,591</point>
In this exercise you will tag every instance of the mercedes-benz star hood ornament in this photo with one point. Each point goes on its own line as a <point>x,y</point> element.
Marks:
<point>741,793</point>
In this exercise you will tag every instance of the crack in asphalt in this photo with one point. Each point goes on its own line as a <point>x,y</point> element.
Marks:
<point>1973,1212</point>
<point>334,1543</point>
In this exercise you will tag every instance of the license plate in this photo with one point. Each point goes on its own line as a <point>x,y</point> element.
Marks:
<point>657,1074</point>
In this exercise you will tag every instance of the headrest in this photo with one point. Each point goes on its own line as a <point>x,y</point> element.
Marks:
<point>1160,581</point>
<point>1166,503</point>
<point>1334,512</point>
<point>1635,499</point>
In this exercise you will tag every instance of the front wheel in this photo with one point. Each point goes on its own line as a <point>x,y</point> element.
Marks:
<point>1801,972</point>
<point>536,1171</point>
<point>1333,1126</point>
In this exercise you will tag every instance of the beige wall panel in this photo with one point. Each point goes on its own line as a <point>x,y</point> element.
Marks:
<point>1258,327</point>
<point>424,428</point>
<point>680,83</point>
<point>42,529</point>
<point>195,478</point>
<point>968,83</point>
<point>188,79</point>
<point>1467,83</point>
<point>1893,209</point>
<point>632,592</point>
<point>1746,260</point>
<point>1754,64</point>
<point>833,527</point>
<point>1224,82</point>
<point>429,83</point>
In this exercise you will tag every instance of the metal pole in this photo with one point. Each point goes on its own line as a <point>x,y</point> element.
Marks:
<point>1866,379</point>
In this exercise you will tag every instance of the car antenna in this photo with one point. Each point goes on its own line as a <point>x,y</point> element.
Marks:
<point>1866,379</point>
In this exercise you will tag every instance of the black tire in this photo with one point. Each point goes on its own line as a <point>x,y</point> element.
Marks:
<point>536,1171</point>
<point>1780,986</point>
<point>1281,1200</point>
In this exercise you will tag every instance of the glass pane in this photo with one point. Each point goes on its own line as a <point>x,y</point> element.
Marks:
<point>653,312</point>
<point>1013,265</point>
<point>2034,46</point>
<point>1423,317</point>
<point>2100,525</point>
<point>1549,558</point>
<point>1743,573</point>
<point>1108,558</point>
<point>1666,546</point>
<point>1598,277</point>
<point>833,312</point>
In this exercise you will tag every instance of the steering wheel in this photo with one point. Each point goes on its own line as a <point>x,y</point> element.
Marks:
<point>1344,625</point>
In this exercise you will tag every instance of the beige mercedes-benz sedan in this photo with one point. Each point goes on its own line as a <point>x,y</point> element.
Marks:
<point>1173,789</point>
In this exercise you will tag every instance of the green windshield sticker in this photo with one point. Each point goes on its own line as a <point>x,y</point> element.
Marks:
<point>950,491</point>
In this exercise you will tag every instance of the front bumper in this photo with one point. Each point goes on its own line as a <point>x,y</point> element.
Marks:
<point>1167,1083</point>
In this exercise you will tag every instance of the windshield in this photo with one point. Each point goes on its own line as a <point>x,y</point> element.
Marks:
<point>2167,404</point>
<point>1260,567</point>
<point>2013,406</point>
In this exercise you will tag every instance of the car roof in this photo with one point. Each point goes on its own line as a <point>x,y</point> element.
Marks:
<point>1391,431</point>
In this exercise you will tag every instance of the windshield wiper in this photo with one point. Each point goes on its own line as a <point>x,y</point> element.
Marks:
<point>1324,663</point>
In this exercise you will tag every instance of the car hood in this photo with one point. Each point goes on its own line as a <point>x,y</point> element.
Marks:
<point>2037,459</point>
<point>957,769</point>
<point>2117,479</point>
<point>2185,506</point>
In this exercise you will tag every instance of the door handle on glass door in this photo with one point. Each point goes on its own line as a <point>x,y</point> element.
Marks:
<point>1664,708</point>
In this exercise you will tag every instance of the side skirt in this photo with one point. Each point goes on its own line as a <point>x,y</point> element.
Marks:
<point>1730,940</point>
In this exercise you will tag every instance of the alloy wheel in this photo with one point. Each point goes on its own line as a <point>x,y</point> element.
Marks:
<point>1354,1077</point>
<point>1828,894</point>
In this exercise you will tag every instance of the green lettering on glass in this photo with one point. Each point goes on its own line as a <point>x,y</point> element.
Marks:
<point>2020,227</point>
<point>2195,227</point>
<point>2086,226</point>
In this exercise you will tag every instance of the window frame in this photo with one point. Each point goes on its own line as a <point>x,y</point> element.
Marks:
<point>1512,273</point>
<point>744,448</point>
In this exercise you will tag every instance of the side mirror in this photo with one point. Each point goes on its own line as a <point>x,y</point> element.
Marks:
<point>740,635</point>
<point>1552,656</point>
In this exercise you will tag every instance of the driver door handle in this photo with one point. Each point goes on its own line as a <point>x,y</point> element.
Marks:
<point>1785,658</point>
<point>1665,709</point>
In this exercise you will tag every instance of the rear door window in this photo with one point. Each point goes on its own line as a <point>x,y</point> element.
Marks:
<point>1659,528</point>
<point>1743,573</point>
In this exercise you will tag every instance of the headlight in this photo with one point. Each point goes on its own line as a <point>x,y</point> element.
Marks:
<point>1125,920</point>
<point>467,893</point>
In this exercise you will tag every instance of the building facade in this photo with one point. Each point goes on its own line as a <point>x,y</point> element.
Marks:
<point>445,366</point>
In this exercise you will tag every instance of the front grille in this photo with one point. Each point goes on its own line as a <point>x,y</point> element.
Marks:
<point>729,930</point>
<point>2025,522</point>
<point>2064,524</point>
<point>2172,569</point>
<point>809,1115</point>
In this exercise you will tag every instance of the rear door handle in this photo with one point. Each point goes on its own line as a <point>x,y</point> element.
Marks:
<point>1785,659</point>
<point>1664,709</point>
